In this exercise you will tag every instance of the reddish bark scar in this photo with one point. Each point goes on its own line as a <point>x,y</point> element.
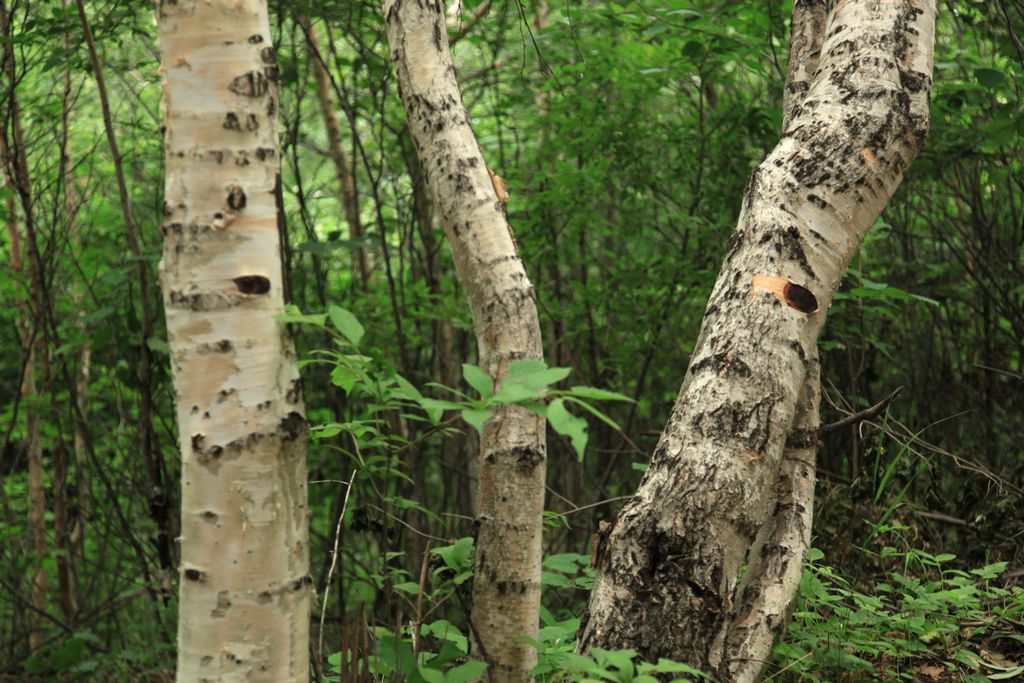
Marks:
<point>793,295</point>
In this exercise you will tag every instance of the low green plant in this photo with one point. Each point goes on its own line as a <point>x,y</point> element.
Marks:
<point>936,620</point>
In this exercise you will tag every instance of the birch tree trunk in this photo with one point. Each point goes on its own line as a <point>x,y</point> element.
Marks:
<point>506,588</point>
<point>710,502</point>
<point>245,585</point>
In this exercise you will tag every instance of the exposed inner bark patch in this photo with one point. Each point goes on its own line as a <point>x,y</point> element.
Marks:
<point>793,295</point>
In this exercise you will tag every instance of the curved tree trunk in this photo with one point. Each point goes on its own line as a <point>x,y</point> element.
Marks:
<point>668,569</point>
<point>245,586</point>
<point>506,589</point>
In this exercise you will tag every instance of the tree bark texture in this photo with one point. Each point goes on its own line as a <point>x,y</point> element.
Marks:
<point>668,567</point>
<point>245,586</point>
<point>506,589</point>
<point>768,589</point>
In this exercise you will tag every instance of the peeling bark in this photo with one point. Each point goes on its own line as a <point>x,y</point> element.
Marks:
<point>506,588</point>
<point>245,585</point>
<point>667,580</point>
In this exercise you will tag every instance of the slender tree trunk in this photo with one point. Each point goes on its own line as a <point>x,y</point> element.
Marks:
<point>669,565</point>
<point>506,589</point>
<point>32,330</point>
<point>68,535</point>
<point>159,500</point>
<point>245,586</point>
<point>336,145</point>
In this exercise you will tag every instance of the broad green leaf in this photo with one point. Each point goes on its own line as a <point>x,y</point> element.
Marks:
<point>514,392</point>
<point>410,391</point>
<point>464,673</point>
<point>477,418</point>
<point>344,378</point>
<point>525,368</point>
<point>567,424</point>
<point>346,323</point>
<point>478,379</point>
<point>456,555</point>
<point>990,78</point>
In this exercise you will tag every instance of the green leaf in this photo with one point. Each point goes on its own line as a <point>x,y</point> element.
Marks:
<point>595,394</point>
<point>556,580</point>
<point>567,424</point>
<point>464,673</point>
<point>408,587</point>
<point>478,379</point>
<point>344,378</point>
<point>346,323</point>
<point>511,392</point>
<point>990,78</point>
<point>431,675</point>
<point>1007,675</point>
<point>524,368</point>
<point>158,345</point>
<point>595,412</point>
<point>292,314</point>
<point>477,418</point>
<point>457,555</point>
<point>407,389</point>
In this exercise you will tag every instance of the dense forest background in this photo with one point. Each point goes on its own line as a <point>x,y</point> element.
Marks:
<point>625,133</point>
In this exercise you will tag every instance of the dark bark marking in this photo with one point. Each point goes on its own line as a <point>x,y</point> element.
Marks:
<point>232,122</point>
<point>525,457</point>
<point>236,198</point>
<point>252,284</point>
<point>800,298</point>
<point>294,393</point>
<point>250,84</point>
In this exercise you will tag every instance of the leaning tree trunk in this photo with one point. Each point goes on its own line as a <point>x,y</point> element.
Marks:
<point>506,588</point>
<point>709,504</point>
<point>245,586</point>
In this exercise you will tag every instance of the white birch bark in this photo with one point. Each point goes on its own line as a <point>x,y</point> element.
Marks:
<point>668,568</point>
<point>245,585</point>
<point>767,592</point>
<point>506,588</point>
